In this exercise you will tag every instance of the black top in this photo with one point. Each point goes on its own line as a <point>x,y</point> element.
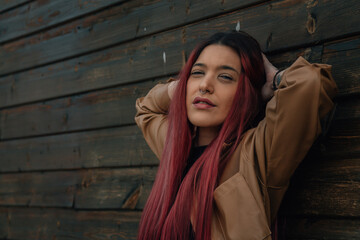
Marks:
<point>195,153</point>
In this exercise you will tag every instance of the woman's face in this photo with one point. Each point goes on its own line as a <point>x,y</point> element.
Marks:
<point>212,85</point>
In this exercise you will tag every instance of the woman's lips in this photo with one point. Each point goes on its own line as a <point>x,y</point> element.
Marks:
<point>203,103</point>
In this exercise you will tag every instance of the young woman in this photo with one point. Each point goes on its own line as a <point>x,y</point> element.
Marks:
<point>226,160</point>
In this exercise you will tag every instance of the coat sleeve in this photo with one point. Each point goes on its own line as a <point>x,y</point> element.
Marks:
<point>292,118</point>
<point>151,117</point>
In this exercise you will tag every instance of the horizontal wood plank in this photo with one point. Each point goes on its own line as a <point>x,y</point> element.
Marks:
<point>83,189</point>
<point>6,4</point>
<point>324,186</point>
<point>307,23</point>
<point>44,224</point>
<point>104,108</point>
<point>118,188</point>
<point>129,188</point>
<point>112,107</point>
<point>143,59</point>
<point>38,15</point>
<point>346,120</point>
<point>128,21</point>
<point>319,228</point>
<point>344,56</point>
<point>114,147</point>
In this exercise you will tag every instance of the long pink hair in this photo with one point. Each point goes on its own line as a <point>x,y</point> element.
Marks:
<point>167,212</point>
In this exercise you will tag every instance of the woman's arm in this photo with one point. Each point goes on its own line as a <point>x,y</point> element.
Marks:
<point>151,116</point>
<point>292,120</point>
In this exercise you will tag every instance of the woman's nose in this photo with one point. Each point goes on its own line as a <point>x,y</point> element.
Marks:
<point>206,84</point>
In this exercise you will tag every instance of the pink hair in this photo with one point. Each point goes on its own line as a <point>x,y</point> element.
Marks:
<point>167,212</point>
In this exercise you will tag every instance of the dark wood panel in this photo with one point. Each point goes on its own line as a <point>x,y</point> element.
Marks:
<point>300,21</point>
<point>104,108</point>
<point>114,147</point>
<point>116,188</point>
<point>346,121</point>
<point>324,186</point>
<point>342,147</point>
<point>143,59</point>
<point>319,228</point>
<point>90,189</point>
<point>48,223</point>
<point>125,146</point>
<point>128,21</point>
<point>130,62</point>
<point>39,189</point>
<point>110,107</point>
<point>38,15</point>
<point>323,198</point>
<point>6,4</point>
<point>344,56</point>
<point>129,188</point>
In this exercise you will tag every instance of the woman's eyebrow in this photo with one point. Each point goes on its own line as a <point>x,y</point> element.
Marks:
<point>199,65</point>
<point>228,68</point>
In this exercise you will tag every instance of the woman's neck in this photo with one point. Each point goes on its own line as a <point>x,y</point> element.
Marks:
<point>205,135</point>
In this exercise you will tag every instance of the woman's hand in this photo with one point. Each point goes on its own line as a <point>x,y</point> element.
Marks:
<point>172,87</point>
<point>267,90</point>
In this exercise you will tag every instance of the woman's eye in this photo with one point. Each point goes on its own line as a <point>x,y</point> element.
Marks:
<point>226,77</point>
<point>197,73</point>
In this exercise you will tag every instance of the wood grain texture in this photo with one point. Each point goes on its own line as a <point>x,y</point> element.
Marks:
<point>320,228</point>
<point>50,223</point>
<point>127,22</point>
<point>328,189</point>
<point>38,15</point>
<point>114,147</point>
<point>307,22</point>
<point>7,4</point>
<point>110,107</point>
<point>126,188</point>
<point>124,146</point>
<point>344,56</point>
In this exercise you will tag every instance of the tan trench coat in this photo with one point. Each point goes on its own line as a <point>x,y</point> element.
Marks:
<point>257,175</point>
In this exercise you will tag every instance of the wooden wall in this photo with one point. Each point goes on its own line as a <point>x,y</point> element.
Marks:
<point>73,165</point>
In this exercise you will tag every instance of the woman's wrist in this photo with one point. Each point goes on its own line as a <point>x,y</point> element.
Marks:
<point>277,79</point>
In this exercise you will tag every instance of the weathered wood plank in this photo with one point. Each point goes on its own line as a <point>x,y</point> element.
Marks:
<point>319,228</point>
<point>114,147</point>
<point>127,21</point>
<point>119,188</point>
<point>6,4</point>
<point>309,23</point>
<point>95,188</point>
<point>125,146</point>
<point>324,198</point>
<point>342,147</point>
<point>103,69</point>
<point>344,56</point>
<point>39,189</point>
<point>324,186</point>
<point>324,193</point>
<point>105,108</point>
<point>112,107</point>
<point>346,121</point>
<point>48,223</point>
<point>38,15</point>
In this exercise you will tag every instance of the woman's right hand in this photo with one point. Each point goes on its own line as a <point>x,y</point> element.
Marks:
<point>171,88</point>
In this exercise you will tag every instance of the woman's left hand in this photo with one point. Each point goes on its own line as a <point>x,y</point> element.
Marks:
<point>267,90</point>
